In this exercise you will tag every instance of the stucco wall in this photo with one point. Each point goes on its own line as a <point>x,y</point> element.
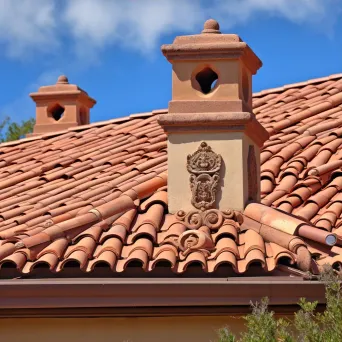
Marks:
<point>172,329</point>
<point>230,193</point>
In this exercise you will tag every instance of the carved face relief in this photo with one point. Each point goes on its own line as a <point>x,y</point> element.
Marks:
<point>204,160</point>
<point>204,166</point>
<point>191,241</point>
<point>195,240</point>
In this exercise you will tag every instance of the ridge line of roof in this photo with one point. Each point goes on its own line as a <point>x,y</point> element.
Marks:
<point>297,84</point>
<point>160,111</point>
<point>83,127</point>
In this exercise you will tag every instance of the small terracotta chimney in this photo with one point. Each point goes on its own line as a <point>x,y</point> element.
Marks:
<point>214,138</point>
<point>61,106</point>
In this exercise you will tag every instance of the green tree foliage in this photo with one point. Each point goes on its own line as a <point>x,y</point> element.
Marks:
<point>262,326</point>
<point>10,131</point>
<point>326,326</point>
<point>307,326</point>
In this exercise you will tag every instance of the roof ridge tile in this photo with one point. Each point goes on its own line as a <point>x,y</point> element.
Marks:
<point>297,84</point>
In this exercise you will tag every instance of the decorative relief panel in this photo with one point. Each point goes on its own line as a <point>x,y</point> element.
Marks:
<point>195,240</point>
<point>204,167</point>
<point>198,236</point>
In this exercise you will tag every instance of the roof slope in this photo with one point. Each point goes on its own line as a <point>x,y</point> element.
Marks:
<point>302,159</point>
<point>95,195</point>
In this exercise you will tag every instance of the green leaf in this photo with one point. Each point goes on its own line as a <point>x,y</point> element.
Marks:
<point>14,130</point>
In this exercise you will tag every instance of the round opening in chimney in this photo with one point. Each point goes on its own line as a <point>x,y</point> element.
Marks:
<point>56,111</point>
<point>207,79</point>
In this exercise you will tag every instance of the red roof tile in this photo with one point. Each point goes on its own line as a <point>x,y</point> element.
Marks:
<point>94,197</point>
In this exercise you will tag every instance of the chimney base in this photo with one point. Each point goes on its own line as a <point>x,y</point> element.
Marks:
<point>234,179</point>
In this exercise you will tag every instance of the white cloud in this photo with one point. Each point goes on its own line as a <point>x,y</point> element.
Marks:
<point>137,24</point>
<point>27,25</point>
<point>140,24</point>
<point>298,11</point>
<point>91,25</point>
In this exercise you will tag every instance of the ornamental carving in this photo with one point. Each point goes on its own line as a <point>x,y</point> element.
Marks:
<point>213,218</point>
<point>195,240</point>
<point>204,167</point>
<point>200,226</point>
<point>252,175</point>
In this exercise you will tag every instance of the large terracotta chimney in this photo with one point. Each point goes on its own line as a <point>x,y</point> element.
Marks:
<point>61,106</point>
<point>214,138</point>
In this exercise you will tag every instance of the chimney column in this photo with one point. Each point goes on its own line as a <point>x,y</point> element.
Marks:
<point>61,106</point>
<point>214,138</point>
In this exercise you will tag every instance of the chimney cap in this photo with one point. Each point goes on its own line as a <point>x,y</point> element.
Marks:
<point>62,90</point>
<point>211,44</point>
<point>211,26</point>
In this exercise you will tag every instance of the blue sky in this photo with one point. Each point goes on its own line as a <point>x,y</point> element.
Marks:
<point>111,48</point>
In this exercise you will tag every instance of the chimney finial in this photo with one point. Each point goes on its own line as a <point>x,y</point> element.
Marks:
<point>211,26</point>
<point>62,79</point>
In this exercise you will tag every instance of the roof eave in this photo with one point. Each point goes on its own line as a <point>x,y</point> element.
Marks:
<point>61,297</point>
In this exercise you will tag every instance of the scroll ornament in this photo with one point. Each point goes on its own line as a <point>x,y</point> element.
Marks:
<point>198,224</point>
<point>213,218</point>
<point>195,241</point>
<point>204,166</point>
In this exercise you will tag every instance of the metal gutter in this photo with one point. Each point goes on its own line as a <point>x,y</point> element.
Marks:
<point>147,295</point>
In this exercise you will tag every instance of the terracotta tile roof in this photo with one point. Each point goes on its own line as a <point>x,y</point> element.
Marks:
<point>94,197</point>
